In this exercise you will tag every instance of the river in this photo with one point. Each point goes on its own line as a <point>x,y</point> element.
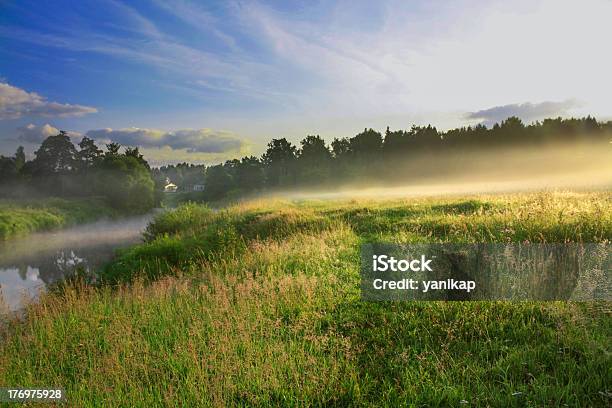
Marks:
<point>29,264</point>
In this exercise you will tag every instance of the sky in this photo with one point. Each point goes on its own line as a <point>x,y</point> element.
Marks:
<point>206,81</point>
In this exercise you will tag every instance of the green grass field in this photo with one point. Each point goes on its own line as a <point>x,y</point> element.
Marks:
<point>259,304</point>
<point>20,217</point>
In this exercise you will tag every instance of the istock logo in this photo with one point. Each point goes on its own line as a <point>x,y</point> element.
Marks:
<point>383,263</point>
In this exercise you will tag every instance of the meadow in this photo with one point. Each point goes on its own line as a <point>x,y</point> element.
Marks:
<point>258,304</point>
<point>24,216</point>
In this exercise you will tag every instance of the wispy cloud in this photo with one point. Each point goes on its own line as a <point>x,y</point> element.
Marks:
<point>136,21</point>
<point>527,111</point>
<point>16,103</point>
<point>198,18</point>
<point>235,71</point>
<point>357,62</point>
<point>342,69</point>
<point>403,60</point>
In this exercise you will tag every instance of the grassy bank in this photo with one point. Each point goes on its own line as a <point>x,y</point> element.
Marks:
<point>259,305</point>
<point>20,217</point>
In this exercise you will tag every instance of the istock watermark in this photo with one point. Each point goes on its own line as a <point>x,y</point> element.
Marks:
<point>384,263</point>
<point>572,271</point>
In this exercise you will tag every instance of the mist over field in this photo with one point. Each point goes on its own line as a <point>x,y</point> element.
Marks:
<point>579,167</point>
<point>509,156</point>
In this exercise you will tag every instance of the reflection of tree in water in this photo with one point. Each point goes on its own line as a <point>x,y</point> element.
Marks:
<point>66,262</point>
<point>43,259</point>
<point>26,272</point>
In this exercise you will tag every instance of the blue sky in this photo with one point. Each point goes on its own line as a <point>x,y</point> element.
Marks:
<point>205,81</point>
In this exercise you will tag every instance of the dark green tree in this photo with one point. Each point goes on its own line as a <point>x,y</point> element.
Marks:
<point>314,161</point>
<point>218,181</point>
<point>249,174</point>
<point>341,147</point>
<point>366,144</point>
<point>89,153</point>
<point>341,165</point>
<point>125,182</point>
<point>112,149</point>
<point>56,155</point>
<point>54,166</point>
<point>279,160</point>
<point>20,158</point>
<point>8,170</point>
<point>135,153</point>
<point>365,152</point>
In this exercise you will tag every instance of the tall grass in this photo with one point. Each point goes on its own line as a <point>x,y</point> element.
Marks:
<point>258,304</point>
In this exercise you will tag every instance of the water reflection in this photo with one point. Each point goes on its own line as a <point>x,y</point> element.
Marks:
<point>28,265</point>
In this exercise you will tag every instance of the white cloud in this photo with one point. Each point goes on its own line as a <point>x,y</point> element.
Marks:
<point>16,103</point>
<point>189,140</point>
<point>35,134</point>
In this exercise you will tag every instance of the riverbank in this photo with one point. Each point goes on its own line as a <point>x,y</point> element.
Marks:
<point>21,217</point>
<point>259,304</point>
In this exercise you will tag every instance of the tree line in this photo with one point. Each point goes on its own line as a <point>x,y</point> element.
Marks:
<point>127,181</point>
<point>373,157</point>
<point>61,169</point>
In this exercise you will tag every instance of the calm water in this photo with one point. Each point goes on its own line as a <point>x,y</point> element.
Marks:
<point>28,265</point>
